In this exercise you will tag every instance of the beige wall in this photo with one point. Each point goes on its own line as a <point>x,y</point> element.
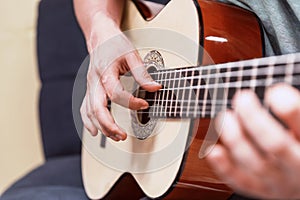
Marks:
<point>20,145</point>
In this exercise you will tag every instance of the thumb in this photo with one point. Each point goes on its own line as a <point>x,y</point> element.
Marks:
<point>140,74</point>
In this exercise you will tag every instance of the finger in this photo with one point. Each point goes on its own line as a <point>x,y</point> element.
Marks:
<point>233,176</point>
<point>91,84</point>
<point>266,132</point>
<point>101,114</point>
<point>140,73</point>
<point>284,102</point>
<point>85,119</point>
<point>244,153</point>
<point>241,149</point>
<point>91,114</point>
<point>118,94</point>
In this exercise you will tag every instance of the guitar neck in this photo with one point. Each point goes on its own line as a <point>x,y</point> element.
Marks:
<point>202,92</point>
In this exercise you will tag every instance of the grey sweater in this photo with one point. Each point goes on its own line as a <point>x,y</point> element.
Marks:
<point>280,19</point>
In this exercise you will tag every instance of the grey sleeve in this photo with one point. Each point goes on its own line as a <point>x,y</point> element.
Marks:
<point>280,20</point>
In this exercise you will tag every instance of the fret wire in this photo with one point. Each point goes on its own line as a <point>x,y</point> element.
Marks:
<point>183,93</point>
<point>159,96</point>
<point>154,77</point>
<point>167,93</point>
<point>177,94</point>
<point>226,90</point>
<point>205,91</point>
<point>191,91</point>
<point>270,75</point>
<point>239,78</point>
<point>254,75</point>
<point>172,92</point>
<point>163,93</point>
<point>215,92</point>
<point>289,69</point>
<point>164,96</point>
<point>198,92</point>
<point>155,96</point>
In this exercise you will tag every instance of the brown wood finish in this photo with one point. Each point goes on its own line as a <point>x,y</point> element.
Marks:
<point>238,26</point>
<point>243,34</point>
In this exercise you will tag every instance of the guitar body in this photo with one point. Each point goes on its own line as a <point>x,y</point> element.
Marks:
<point>165,162</point>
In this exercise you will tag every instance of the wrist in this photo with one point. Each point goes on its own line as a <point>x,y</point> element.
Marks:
<point>103,27</point>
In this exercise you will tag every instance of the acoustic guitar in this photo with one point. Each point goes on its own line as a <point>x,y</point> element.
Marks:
<point>164,154</point>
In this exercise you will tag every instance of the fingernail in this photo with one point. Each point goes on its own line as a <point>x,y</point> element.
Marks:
<point>119,137</point>
<point>152,83</point>
<point>144,107</point>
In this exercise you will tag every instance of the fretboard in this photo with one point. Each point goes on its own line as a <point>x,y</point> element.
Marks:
<point>203,91</point>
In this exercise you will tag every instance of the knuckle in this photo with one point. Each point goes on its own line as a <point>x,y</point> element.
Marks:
<point>97,111</point>
<point>89,115</point>
<point>105,80</point>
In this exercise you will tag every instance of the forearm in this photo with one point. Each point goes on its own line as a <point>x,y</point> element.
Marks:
<point>105,11</point>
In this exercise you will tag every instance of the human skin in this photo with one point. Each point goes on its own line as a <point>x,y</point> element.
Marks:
<point>100,23</point>
<point>259,156</point>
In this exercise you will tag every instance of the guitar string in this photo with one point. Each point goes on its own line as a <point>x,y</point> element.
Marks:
<point>242,83</point>
<point>269,61</point>
<point>297,84</point>
<point>232,85</point>
<point>226,66</point>
<point>263,71</point>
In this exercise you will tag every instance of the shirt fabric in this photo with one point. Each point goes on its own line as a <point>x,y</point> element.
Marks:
<point>280,19</point>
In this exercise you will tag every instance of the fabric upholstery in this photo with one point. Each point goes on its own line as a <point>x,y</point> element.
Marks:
<point>58,178</point>
<point>61,49</point>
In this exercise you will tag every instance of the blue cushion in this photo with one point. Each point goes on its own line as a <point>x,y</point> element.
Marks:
<point>46,193</point>
<point>58,178</point>
<point>61,49</point>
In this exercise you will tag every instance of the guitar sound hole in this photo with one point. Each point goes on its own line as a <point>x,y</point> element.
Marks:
<point>143,116</point>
